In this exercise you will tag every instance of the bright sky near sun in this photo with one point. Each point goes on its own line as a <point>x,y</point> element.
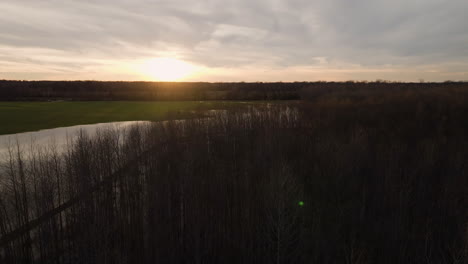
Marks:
<point>234,40</point>
<point>166,69</point>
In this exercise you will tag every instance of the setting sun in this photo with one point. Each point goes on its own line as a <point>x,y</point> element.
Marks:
<point>167,69</point>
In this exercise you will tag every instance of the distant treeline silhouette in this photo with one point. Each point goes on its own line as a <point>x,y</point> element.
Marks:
<point>97,90</point>
<point>335,179</point>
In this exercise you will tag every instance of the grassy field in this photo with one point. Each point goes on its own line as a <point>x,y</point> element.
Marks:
<point>16,117</point>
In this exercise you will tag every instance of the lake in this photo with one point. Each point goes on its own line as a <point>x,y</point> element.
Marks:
<point>58,136</point>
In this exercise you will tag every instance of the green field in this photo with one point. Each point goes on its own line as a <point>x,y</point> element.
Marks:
<point>16,117</point>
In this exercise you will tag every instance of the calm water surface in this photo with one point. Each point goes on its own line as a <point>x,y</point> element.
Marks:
<point>57,136</point>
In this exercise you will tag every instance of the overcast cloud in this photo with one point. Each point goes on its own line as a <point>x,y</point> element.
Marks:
<point>237,40</point>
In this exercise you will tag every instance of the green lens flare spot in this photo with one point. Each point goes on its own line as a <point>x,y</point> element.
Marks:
<point>300,203</point>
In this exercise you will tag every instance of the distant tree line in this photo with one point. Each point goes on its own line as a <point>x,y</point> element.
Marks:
<point>97,90</point>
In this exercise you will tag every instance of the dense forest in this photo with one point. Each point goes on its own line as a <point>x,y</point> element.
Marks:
<point>347,175</point>
<point>96,90</point>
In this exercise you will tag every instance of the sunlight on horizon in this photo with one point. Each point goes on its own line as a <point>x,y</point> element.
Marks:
<point>167,69</point>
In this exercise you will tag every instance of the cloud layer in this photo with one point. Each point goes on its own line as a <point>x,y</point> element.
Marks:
<point>236,40</point>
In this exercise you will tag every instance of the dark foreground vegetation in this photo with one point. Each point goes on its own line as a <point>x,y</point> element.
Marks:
<point>344,177</point>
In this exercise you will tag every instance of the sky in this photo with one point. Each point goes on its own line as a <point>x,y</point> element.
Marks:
<point>234,40</point>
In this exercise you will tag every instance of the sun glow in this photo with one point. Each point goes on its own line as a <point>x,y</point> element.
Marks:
<point>167,69</point>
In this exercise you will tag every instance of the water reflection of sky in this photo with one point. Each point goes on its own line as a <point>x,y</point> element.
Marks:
<point>57,136</point>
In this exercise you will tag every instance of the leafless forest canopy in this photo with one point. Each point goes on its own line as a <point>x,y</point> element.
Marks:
<point>381,172</point>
